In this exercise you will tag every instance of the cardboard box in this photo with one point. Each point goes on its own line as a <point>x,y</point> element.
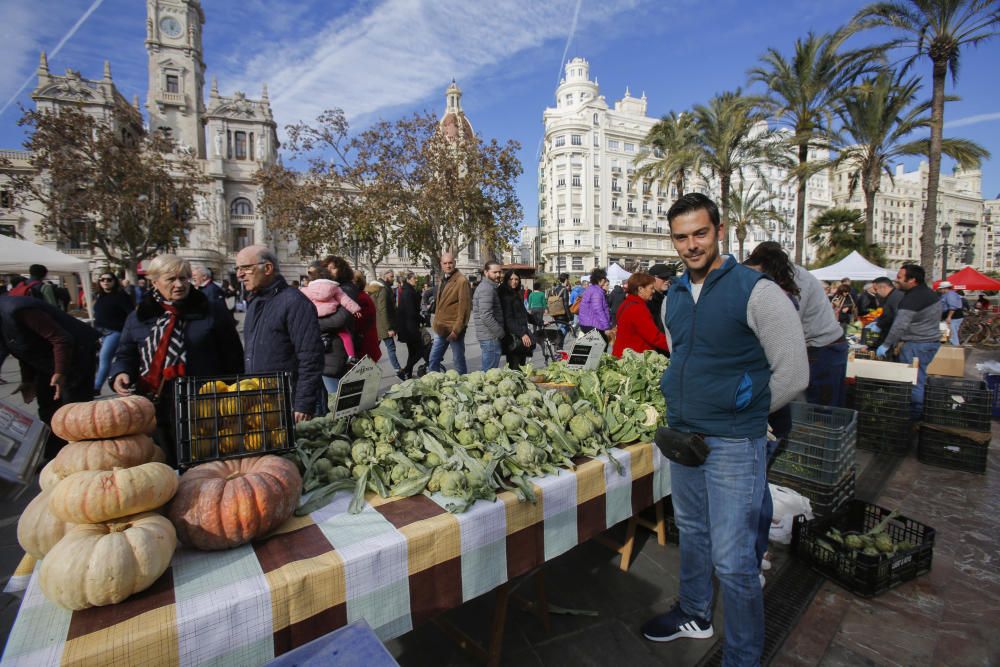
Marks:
<point>950,360</point>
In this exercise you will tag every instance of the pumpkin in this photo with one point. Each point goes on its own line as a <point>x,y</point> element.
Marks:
<point>110,418</point>
<point>104,563</point>
<point>223,504</point>
<point>124,452</point>
<point>93,496</point>
<point>38,529</point>
<point>48,478</point>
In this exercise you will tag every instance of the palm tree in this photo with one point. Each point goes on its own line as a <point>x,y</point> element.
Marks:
<point>749,208</point>
<point>734,140</point>
<point>877,118</point>
<point>802,94</point>
<point>669,151</point>
<point>937,29</point>
<point>838,232</point>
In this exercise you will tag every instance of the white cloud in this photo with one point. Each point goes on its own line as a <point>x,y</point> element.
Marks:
<point>972,120</point>
<point>400,52</point>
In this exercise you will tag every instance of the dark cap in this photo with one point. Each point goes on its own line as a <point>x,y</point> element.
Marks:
<point>662,271</point>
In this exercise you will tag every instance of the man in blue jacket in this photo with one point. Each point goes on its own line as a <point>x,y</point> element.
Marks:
<point>281,329</point>
<point>737,354</point>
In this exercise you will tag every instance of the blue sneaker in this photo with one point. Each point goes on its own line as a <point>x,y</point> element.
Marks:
<point>675,624</point>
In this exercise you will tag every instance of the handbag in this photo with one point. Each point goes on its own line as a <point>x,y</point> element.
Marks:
<point>574,308</point>
<point>689,449</point>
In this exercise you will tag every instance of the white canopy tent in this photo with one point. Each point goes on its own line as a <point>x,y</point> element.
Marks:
<point>17,255</point>
<point>855,267</point>
<point>617,274</point>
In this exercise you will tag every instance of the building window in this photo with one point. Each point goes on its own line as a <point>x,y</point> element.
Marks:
<point>577,241</point>
<point>473,251</point>
<point>8,230</point>
<point>560,141</point>
<point>173,84</point>
<point>613,144</point>
<point>401,252</point>
<point>578,263</point>
<point>229,145</point>
<point>597,119</point>
<point>251,146</point>
<point>569,98</point>
<point>241,145</point>
<point>561,182</point>
<point>577,221</point>
<point>597,140</point>
<point>614,185</point>
<point>597,181</point>
<point>241,206</point>
<point>242,237</point>
<point>576,139</point>
<point>6,199</point>
<point>576,180</point>
<point>629,148</point>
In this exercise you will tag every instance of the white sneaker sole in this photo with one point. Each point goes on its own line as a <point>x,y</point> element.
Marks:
<point>686,634</point>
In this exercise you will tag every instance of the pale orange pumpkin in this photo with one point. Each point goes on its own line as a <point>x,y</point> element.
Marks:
<point>109,418</point>
<point>124,452</point>
<point>104,563</point>
<point>94,496</point>
<point>38,530</point>
<point>223,504</point>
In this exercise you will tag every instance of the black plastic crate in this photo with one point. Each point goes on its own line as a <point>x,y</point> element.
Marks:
<point>882,397</point>
<point>818,427</point>
<point>885,434</point>
<point>992,381</point>
<point>822,469</point>
<point>965,404</point>
<point>230,416</point>
<point>863,575</point>
<point>957,449</point>
<point>824,499</point>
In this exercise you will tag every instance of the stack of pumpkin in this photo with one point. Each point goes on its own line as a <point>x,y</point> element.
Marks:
<point>94,523</point>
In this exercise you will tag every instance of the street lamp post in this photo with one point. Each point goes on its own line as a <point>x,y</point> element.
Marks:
<point>945,233</point>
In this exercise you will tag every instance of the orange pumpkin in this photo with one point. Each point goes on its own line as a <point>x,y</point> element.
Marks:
<point>109,418</point>
<point>223,504</point>
<point>95,496</point>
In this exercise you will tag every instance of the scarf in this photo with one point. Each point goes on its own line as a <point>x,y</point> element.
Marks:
<point>162,356</point>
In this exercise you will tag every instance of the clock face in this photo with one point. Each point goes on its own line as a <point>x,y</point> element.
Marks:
<point>170,26</point>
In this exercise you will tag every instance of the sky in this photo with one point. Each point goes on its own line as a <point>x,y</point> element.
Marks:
<point>390,58</point>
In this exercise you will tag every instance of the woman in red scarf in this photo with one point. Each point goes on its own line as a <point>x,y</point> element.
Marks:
<point>174,331</point>
<point>636,329</point>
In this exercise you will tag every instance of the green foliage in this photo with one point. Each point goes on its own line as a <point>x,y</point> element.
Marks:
<point>837,232</point>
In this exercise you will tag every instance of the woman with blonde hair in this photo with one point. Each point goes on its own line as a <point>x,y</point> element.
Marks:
<point>175,331</point>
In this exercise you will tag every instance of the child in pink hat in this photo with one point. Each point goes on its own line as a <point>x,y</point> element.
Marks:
<point>327,296</point>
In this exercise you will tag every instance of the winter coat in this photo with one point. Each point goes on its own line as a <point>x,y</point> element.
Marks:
<point>594,309</point>
<point>615,301</point>
<point>367,337</point>
<point>35,352</point>
<point>213,292</point>
<point>408,320</point>
<point>111,309</point>
<point>636,328</point>
<point>453,305</point>
<point>385,307</point>
<point>515,315</point>
<point>282,334</point>
<point>486,311</point>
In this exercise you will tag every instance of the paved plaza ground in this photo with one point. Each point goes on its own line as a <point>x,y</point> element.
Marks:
<point>947,617</point>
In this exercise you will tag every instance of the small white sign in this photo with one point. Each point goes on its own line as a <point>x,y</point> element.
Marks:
<point>358,389</point>
<point>586,352</point>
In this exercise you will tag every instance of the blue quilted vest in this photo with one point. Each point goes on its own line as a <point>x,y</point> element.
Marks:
<point>717,381</point>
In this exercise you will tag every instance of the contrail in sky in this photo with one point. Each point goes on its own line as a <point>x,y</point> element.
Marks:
<point>68,36</point>
<point>562,63</point>
<point>972,120</point>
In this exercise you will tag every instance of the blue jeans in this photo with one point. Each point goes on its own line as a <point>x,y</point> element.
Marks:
<point>390,347</point>
<point>925,353</point>
<point>717,508</point>
<point>491,353</point>
<point>328,389</point>
<point>438,347</point>
<point>767,508</point>
<point>955,326</point>
<point>109,345</point>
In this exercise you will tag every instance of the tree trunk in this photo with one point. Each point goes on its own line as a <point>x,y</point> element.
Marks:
<point>800,207</point>
<point>741,236</point>
<point>929,229</point>
<point>680,185</point>
<point>870,193</point>
<point>724,182</point>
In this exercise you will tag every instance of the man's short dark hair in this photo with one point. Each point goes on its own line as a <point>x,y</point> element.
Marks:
<point>37,271</point>
<point>487,265</point>
<point>597,275</point>
<point>914,272</point>
<point>563,277</point>
<point>882,280</point>
<point>691,202</point>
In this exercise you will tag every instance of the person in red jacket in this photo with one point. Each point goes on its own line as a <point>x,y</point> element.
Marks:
<point>636,328</point>
<point>366,327</point>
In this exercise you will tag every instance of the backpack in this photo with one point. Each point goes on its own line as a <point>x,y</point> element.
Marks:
<point>63,297</point>
<point>555,302</point>
<point>28,288</point>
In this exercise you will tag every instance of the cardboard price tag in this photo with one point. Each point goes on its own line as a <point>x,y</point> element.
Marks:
<point>358,389</point>
<point>587,351</point>
<point>22,441</point>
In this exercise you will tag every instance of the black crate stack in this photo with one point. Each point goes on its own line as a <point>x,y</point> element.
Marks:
<point>818,459</point>
<point>956,429</point>
<point>883,415</point>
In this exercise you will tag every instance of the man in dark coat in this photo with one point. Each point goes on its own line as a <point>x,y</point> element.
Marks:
<point>281,330</point>
<point>57,352</point>
<point>615,300</point>
<point>201,278</point>
<point>662,275</point>
<point>408,325</point>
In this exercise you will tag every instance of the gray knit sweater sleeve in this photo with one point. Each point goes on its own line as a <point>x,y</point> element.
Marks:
<point>774,320</point>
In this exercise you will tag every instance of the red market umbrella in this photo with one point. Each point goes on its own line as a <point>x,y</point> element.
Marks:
<point>970,279</point>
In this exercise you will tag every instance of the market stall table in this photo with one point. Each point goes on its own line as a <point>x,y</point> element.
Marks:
<point>397,564</point>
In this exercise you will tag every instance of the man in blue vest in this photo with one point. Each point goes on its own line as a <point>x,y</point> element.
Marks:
<point>737,354</point>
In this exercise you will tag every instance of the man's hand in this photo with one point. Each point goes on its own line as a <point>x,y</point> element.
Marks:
<point>359,315</point>
<point>453,336</point>
<point>56,382</point>
<point>302,417</point>
<point>882,351</point>
<point>122,384</point>
<point>526,339</point>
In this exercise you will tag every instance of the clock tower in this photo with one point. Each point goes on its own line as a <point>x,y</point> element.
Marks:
<point>175,99</point>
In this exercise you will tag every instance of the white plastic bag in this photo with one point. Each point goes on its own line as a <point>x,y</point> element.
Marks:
<point>787,504</point>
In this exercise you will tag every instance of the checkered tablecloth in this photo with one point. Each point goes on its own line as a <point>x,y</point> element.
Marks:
<point>396,564</point>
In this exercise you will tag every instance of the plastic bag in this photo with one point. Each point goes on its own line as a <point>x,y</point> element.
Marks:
<point>788,503</point>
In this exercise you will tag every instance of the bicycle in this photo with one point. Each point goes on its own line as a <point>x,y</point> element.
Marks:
<point>549,336</point>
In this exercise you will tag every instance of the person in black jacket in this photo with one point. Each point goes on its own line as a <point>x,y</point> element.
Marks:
<point>175,331</point>
<point>57,353</point>
<point>662,275</point>
<point>111,308</point>
<point>615,300</point>
<point>201,279</point>
<point>408,325</point>
<point>517,343</point>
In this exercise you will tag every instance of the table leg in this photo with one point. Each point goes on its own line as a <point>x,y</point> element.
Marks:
<point>499,622</point>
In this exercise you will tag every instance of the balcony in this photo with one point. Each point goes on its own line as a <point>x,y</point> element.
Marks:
<point>243,219</point>
<point>175,99</point>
